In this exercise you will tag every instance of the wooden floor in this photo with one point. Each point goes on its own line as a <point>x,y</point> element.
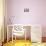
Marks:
<point>23,43</point>
<point>18,43</point>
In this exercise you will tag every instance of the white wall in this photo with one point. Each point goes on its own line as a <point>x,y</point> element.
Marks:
<point>36,14</point>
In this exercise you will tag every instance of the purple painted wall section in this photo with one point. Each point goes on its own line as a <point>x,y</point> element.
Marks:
<point>36,14</point>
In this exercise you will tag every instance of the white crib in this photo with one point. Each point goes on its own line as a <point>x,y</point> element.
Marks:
<point>35,32</point>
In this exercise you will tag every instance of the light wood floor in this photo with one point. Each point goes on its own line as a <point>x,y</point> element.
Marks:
<point>23,43</point>
<point>18,43</point>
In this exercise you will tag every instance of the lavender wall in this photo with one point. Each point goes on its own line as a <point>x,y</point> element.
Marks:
<point>36,14</point>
